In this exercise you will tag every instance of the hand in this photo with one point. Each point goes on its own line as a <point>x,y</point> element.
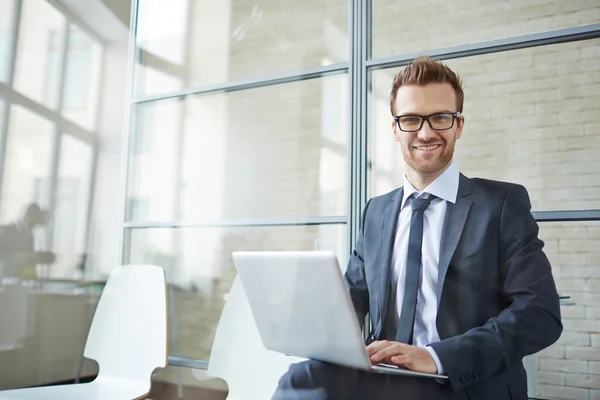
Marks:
<point>403,355</point>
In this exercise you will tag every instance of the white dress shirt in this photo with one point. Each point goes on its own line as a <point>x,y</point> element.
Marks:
<point>445,188</point>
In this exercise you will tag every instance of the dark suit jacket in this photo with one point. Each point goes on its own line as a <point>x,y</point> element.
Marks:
<point>496,295</point>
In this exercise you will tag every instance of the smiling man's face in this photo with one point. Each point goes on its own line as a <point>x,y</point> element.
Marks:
<point>427,151</point>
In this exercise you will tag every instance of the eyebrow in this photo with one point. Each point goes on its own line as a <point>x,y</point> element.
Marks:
<point>409,114</point>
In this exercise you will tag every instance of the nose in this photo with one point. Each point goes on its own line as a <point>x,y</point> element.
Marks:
<point>426,133</point>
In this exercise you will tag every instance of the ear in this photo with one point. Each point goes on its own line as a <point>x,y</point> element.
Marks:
<point>461,124</point>
<point>395,130</point>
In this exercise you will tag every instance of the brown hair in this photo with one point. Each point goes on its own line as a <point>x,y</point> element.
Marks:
<point>423,70</point>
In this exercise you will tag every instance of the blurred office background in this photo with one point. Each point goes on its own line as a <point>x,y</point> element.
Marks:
<point>175,132</point>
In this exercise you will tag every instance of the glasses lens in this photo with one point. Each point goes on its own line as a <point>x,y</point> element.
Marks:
<point>441,121</point>
<point>410,123</point>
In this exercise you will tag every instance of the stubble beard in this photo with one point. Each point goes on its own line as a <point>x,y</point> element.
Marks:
<point>428,167</point>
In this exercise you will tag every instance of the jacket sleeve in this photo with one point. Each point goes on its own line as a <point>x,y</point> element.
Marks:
<point>531,320</point>
<point>355,277</point>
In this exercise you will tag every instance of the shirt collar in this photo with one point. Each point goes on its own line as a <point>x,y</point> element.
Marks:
<point>444,186</point>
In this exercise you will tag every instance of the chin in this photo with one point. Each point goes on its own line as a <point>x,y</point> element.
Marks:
<point>428,168</point>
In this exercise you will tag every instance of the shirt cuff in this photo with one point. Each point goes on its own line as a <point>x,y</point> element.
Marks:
<point>436,359</point>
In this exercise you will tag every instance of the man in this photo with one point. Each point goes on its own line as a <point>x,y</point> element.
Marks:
<point>449,269</point>
<point>18,256</point>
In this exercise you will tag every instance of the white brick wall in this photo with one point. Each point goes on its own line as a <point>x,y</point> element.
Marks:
<point>575,356</point>
<point>404,27</point>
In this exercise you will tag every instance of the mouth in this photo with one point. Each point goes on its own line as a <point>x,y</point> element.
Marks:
<point>430,147</point>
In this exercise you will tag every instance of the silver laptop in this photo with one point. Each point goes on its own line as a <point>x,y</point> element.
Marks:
<point>302,308</point>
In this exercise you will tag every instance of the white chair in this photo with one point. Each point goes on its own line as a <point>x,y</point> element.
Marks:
<point>238,355</point>
<point>128,339</point>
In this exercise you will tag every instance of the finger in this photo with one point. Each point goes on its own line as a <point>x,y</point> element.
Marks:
<point>402,347</point>
<point>400,360</point>
<point>377,345</point>
<point>386,353</point>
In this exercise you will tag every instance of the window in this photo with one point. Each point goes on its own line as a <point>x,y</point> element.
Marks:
<point>273,152</point>
<point>82,78</point>
<point>198,265</point>
<point>205,42</point>
<point>532,116</point>
<point>72,207</point>
<point>27,163</point>
<point>569,368</point>
<point>39,52</point>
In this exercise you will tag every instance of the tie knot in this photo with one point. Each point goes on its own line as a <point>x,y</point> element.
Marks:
<point>421,203</point>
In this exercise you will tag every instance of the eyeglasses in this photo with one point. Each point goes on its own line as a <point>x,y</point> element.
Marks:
<point>438,121</point>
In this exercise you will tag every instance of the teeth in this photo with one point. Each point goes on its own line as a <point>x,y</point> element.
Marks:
<point>428,147</point>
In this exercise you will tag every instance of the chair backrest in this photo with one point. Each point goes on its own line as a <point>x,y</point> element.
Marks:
<point>128,335</point>
<point>238,355</point>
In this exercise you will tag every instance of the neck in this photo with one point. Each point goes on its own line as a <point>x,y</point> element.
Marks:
<point>421,180</point>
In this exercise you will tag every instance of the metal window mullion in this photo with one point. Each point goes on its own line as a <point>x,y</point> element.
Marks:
<point>567,215</point>
<point>354,111</point>
<point>351,113</point>
<point>277,79</point>
<point>124,239</point>
<point>360,36</point>
<point>365,55</point>
<point>14,97</point>
<point>16,24</point>
<point>256,222</point>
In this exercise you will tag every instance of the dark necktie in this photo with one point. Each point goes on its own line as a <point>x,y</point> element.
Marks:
<point>413,268</point>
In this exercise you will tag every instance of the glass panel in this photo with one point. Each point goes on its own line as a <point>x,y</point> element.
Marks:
<point>27,166</point>
<point>277,151</point>
<point>401,27</point>
<point>183,44</point>
<point>71,209</point>
<point>570,368</point>
<point>43,333</point>
<point>81,79</point>
<point>6,37</point>
<point>39,52</point>
<point>167,383</point>
<point>25,194</point>
<point>44,322</point>
<point>199,268</point>
<point>532,116</point>
<point>34,349</point>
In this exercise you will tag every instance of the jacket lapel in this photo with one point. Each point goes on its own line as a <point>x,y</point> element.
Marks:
<point>388,236</point>
<point>454,223</point>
